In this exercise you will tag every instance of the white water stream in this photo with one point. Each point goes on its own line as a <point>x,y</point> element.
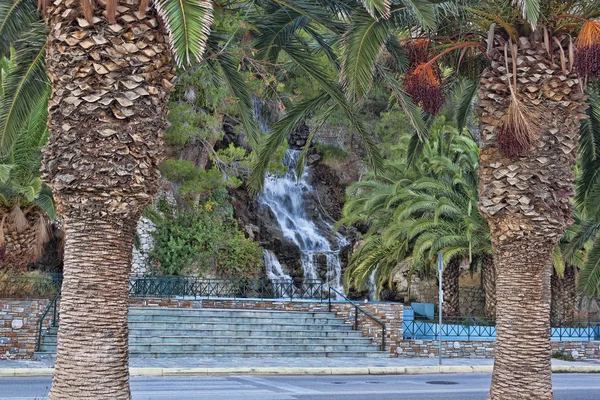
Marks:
<point>285,196</point>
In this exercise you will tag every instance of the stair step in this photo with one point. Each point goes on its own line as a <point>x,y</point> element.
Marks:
<point>255,340</point>
<point>206,331</point>
<point>228,312</point>
<point>283,348</point>
<point>237,320</point>
<point>247,354</point>
<point>234,326</point>
<point>173,332</point>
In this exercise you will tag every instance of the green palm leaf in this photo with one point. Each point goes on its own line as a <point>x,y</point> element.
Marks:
<point>238,87</point>
<point>361,46</point>
<point>25,85</point>
<point>589,276</point>
<point>188,24</point>
<point>531,10</point>
<point>377,8</point>
<point>16,17</point>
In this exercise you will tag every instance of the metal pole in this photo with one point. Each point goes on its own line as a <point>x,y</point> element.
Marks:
<point>440,302</point>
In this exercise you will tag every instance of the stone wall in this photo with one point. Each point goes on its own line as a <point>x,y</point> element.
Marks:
<point>472,301</point>
<point>485,349</point>
<point>389,314</point>
<point>19,326</point>
<point>139,263</point>
<point>579,350</point>
<point>450,349</point>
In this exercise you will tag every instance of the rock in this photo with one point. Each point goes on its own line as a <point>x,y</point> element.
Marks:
<point>17,323</point>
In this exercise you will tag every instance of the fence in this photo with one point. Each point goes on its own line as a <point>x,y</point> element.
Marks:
<point>470,328</point>
<point>189,286</point>
<point>48,285</point>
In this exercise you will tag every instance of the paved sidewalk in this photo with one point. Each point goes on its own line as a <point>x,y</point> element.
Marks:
<point>292,366</point>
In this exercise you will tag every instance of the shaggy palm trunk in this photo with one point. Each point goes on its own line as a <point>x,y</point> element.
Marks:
<point>525,200</point>
<point>564,296</point>
<point>488,281</point>
<point>450,277</point>
<point>19,247</point>
<point>107,112</point>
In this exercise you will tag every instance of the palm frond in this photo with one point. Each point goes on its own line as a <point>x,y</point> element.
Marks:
<point>281,129</point>
<point>425,12</point>
<point>23,87</point>
<point>188,24</point>
<point>531,10</point>
<point>361,46</point>
<point>589,276</point>
<point>377,8</point>
<point>466,101</point>
<point>16,17</point>
<point>239,88</point>
<point>302,58</point>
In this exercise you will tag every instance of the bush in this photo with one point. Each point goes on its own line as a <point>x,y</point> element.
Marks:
<point>205,239</point>
<point>27,285</point>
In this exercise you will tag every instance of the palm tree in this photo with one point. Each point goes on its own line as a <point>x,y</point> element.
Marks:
<point>110,72</point>
<point>416,211</point>
<point>531,101</point>
<point>25,203</point>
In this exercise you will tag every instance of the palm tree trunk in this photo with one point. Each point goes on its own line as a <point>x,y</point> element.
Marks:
<point>110,89</point>
<point>525,197</point>
<point>522,353</point>
<point>450,277</point>
<point>488,281</point>
<point>564,296</point>
<point>92,357</point>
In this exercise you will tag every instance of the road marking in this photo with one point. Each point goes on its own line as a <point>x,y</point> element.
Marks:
<point>277,385</point>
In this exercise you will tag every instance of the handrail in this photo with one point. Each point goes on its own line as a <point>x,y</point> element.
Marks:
<point>356,309</point>
<point>51,306</point>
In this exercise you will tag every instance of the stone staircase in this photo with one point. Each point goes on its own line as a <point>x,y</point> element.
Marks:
<point>176,332</point>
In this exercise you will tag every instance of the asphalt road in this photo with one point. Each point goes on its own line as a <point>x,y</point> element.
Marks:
<point>371,387</point>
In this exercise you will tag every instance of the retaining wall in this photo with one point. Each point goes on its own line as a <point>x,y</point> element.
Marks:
<point>485,349</point>
<point>19,326</point>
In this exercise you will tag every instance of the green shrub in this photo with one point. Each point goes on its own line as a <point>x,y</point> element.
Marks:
<point>332,154</point>
<point>203,240</point>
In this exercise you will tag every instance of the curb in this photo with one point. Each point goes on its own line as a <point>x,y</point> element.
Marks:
<point>408,370</point>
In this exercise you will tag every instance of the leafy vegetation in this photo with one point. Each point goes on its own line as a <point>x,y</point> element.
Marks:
<point>204,240</point>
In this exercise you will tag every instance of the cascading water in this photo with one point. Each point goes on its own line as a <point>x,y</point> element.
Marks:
<point>372,287</point>
<point>285,196</point>
<point>274,269</point>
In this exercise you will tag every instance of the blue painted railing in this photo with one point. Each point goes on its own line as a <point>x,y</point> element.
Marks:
<point>469,328</point>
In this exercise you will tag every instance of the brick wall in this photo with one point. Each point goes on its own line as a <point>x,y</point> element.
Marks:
<point>19,326</point>
<point>485,349</point>
<point>389,314</point>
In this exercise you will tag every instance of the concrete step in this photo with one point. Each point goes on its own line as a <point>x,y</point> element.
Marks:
<point>282,348</point>
<point>228,312</point>
<point>290,320</point>
<point>253,340</point>
<point>172,332</point>
<point>208,331</point>
<point>235,326</point>
<point>247,354</point>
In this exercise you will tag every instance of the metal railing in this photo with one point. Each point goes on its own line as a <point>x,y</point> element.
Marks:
<point>472,328</point>
<point>459,328</point>
<point>190,286</point>
<point>357,308</point>
<point>52,309</point>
